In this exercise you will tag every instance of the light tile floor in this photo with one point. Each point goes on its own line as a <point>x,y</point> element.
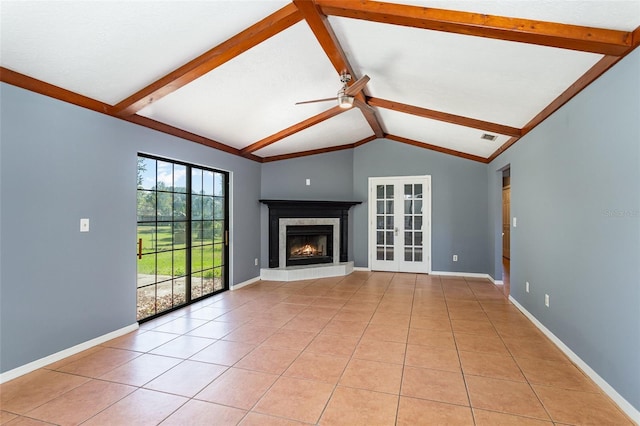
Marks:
<point>367,349</point>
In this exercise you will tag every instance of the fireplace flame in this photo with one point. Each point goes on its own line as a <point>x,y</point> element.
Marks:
<point>306,250</point>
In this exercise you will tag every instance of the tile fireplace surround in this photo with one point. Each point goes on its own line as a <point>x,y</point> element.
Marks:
<point>283,213</point>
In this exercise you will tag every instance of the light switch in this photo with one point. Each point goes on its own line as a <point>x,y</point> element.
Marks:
<point>514,222</point>
<point>308,182</point>
<point>84,225</point>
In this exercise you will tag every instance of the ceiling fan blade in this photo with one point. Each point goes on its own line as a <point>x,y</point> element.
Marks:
<point>357,86</point>
<point>317,100</point>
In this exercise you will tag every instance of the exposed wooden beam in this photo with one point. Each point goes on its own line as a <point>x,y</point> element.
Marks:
<point>366,140</point>
<point>446,117</point>
<point>574,37</point>
<point>502,148</point>
<point>183,134</point>
<point>25,82</point>
<point>438,148</point>
<point>38,86</point>
<point>236,45</point>
<point>587,78</point>
<point>306,153</point>
<point>318,151</point>
<point>369,115</point>
<point>332,112</point>
<point>329,42</point>
<point>325,35</point>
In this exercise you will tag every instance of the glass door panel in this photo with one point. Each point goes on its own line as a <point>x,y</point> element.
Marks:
<point>179,257</point>
<point>398,224</point>
<point>413,242</point>
<point>385,221</point>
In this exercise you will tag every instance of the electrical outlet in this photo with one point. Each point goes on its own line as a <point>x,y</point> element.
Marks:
<point>526,286</point>
<point>546,300</point>
<point>255,262</point>
<point>455,257</point>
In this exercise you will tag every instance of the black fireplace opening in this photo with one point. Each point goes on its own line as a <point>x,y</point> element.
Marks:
<point>309,244</point>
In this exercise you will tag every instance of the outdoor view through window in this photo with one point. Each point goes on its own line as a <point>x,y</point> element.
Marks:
<point>182,234</point>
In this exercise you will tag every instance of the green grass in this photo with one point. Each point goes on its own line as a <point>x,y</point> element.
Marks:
<point>170,258</point>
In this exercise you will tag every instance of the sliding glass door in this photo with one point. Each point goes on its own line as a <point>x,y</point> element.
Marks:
<point>182,234</point>
<point>208,232</point>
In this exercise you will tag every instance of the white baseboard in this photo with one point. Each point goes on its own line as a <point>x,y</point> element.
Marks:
<point>42,362</point>
<point>624,405</point>
<point>446,273</point>
<point>244,283</point>
<point>496,282</point>
<point>461,274</point>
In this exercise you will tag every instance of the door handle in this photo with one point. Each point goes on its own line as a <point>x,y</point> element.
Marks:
<point>226,238</point>
<point>139,248</point>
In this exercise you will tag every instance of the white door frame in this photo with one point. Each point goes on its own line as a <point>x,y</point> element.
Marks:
<point>426,213</point>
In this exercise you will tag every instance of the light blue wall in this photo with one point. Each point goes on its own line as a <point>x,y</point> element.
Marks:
<point>575,190</point>
<point>60,163</point>
<point>459,202</point>
<point>331,177</point>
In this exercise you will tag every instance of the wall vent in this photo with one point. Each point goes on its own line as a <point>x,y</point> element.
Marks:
<point>488,137</point>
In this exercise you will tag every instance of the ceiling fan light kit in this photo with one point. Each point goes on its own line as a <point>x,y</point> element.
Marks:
<point>344,101</point>
<point>346,95</point>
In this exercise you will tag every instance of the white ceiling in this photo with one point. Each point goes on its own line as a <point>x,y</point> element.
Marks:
<point>481,78</point>
<point>109,50</point>
<point>254,95</point>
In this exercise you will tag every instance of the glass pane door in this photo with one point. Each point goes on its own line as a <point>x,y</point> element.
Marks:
<point>181,245</point>
<point>413,222</point>
<point>399,225</point>
<point>208,232</point>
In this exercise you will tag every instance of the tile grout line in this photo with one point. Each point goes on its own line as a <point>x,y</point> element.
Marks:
<point>406,347</point>
<point>257,295</point>
<point>455,342</point>
<point>518,365</point>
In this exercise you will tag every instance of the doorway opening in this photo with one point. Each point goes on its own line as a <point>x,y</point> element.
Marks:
<point>506,230</point>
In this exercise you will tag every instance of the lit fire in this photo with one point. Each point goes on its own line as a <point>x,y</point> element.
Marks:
<point>306,250</point>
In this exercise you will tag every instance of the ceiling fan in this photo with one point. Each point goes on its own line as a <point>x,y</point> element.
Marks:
<point>346,94</point>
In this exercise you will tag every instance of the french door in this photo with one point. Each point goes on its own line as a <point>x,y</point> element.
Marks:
<point>400,224</point>
<point>182,245</point>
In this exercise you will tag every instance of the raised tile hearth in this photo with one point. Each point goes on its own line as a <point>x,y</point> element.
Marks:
<point>306,272</point>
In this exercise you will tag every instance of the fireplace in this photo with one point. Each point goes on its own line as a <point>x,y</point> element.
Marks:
<point>308,244</point>
<point>325,221</point>
<point>322,234</point>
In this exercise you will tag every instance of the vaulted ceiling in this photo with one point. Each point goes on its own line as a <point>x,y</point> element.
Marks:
<point>444,75</point>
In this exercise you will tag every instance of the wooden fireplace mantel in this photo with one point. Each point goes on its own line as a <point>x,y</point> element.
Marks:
<point>307,209</point>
